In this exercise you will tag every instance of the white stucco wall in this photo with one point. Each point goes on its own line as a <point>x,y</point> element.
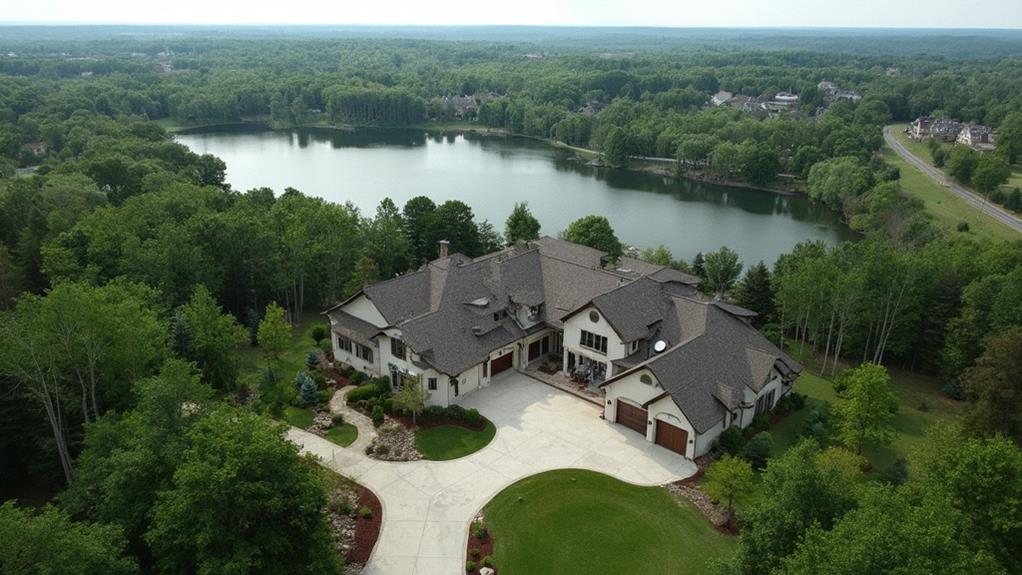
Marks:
<point>573,327</point>
<point>364,309</point>
<point>372,368</point>
<point>631,390</point>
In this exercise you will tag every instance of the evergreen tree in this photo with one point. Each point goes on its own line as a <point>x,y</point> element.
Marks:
<point>699,266</point>
<point>521,225</point>
<point>756,293</point>
<point>180,336</point>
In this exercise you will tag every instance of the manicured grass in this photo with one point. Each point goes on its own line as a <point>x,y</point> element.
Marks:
<point>574,521</point>
<point>947,209</point>
<point>300,417</point>
<point>343,435</point>
<point>445,442</point>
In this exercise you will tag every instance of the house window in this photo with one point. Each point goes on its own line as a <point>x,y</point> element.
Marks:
<point>431,384</point>
<point>364,353</point>
<point>343,343</point>
<point>765,402</point>
<point>454,384</point>
<point>499,315</point>
<point>594,317</point>
<point>646,379</point>
<point>486,368</point>
<point>397,348</point>
<point>594,342</point>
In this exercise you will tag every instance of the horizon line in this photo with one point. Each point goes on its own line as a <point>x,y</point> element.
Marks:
<point>84,24</point>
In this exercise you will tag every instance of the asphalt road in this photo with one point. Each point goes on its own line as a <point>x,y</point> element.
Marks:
<point>974,199</point>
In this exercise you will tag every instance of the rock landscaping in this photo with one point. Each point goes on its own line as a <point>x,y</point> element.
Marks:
<point>393,442</point>
<point>355,516</point>
<point>479,552</point>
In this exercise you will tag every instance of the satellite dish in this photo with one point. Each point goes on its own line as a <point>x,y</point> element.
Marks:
<point>660,346</point>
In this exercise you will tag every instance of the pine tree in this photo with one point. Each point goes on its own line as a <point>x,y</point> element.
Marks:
<point>180,336</point>
<point>699,265</point>
<point>307,386</point>
<point>755,293</point>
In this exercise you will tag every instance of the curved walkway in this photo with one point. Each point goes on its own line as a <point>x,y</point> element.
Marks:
<point>428,505</point>
<point>974,199</point>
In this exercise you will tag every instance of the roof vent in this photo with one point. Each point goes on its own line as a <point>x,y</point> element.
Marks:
<point>660,346</point>
<point>481,302</point>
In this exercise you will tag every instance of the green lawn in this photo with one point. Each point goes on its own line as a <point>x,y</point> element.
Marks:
<point>253,363</point>
<point>921,404</point>
<point>445,442</point>
<point>300,417</point>
<point>946,208</point>
<point>343,435</point>
<point>574,521</point>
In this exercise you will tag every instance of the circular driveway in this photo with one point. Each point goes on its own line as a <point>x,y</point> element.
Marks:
<point>428,505</point>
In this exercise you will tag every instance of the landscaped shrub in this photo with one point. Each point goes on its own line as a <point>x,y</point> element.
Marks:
<point>357,377</point>
<point>382,449</point>
<point>730,441</point>
<point>470,566</point>
<point>374,389</point>
<point>318,334</point>
<point>487,561</point>
<point>815,425</point>
<point>312,361</point>
<point>479,530</point>
<point>337,419</point>
<point>757,450</point>
<point>377,416</point>
<point>307,388</point>
<point>473,418</point>
<point>760,423</point>
<point>327,348</point>
<point>365,512</point>
<point>319,377</point>
<point>369,450</point>
<point>475,553</point>
<point>340,506</point>
<point>798,401</point>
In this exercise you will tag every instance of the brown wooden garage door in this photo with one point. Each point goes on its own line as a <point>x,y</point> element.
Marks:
<point>671,436</point>
<point>500,364</point>
<point>630,416</point>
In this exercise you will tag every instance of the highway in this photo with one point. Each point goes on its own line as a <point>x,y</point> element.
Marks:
<point>974,199</point>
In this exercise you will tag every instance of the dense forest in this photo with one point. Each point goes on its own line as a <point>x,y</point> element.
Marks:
<point>131,272</point>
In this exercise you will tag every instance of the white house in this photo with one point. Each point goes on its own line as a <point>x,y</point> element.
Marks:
<point>673,365</point>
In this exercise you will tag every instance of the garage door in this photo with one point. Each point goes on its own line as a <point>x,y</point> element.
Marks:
<point>500,364</point>
<point>671,436</point>
<point>630,416</point>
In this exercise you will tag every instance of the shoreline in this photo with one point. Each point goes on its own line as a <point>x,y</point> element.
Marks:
<point>662,167</point>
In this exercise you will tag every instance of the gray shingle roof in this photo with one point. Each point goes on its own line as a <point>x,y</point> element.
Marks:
<point>353,328</point>
<point>715,355</point>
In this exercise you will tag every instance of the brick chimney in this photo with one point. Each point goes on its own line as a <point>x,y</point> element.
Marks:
<point>444,244</point>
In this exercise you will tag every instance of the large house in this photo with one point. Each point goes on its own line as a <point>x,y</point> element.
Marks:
<point>672,364</point>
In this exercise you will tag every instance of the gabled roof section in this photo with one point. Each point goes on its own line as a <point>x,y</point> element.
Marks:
<point>715,357</point>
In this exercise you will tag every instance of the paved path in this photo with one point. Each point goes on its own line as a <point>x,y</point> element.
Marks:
<point>974,199</point>
<point>428,505</point>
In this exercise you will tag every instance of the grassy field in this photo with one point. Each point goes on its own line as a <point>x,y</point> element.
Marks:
<point>573,521</point>
<point>921,404</point>
<point>253,364</point>
<point>947,209</point>
<point>445,442</point>
<point>343,435</point>
<point>300,417</point>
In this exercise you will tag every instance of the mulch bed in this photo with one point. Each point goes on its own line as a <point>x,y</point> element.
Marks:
<point>367,531</point>
<point>485,548</point>
<point>406,420</point>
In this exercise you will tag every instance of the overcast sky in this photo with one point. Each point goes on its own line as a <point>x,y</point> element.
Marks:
<point>681,13</point>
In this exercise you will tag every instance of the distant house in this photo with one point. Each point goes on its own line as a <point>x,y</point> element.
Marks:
<point>976,136</point>
<point>87,74</point>
<point>781,102</point>
<point>827,87</point>
<point>721,98</point>
<point>37,148</point>
<point>893,71</point>
<point>944,129</point>
<point>463,106</point>
<point>848,95</point>
<point>590,109</point>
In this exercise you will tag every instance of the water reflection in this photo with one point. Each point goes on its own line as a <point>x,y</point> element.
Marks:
<point>490,173</point>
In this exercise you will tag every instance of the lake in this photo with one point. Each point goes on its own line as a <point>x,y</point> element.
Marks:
<point>491,173</point>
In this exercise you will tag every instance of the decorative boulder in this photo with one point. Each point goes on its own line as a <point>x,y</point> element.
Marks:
<point>486,571</point>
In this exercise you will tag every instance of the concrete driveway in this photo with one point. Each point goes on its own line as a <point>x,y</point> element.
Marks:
<point>428,505</point>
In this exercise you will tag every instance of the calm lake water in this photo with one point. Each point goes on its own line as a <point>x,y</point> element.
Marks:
<point>491,173</point>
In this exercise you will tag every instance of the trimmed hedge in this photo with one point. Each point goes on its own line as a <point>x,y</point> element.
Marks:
<point>379,387</point>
